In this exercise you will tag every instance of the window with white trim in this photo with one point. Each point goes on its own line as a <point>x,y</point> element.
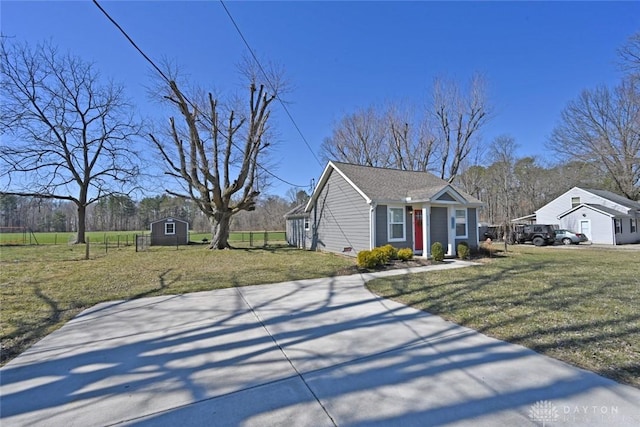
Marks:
<point>461,223</point>
<point>169,228</point>
<point>618,224</point>
<point>396,224</point>
<point>307,224</point>
<point>575,201</point>
<point>634,224</point>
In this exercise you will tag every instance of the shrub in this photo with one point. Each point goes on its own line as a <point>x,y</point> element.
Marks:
<point>390,253</point>
<point>380,256</point>
<point>437,251</point>
<point>463,250</point>
<point>405,254</point>
<point>368,259</point>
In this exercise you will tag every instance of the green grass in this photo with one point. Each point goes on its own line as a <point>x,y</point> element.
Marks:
<point>128,237</point>
<point>42,287</point>
<point>580,305</point>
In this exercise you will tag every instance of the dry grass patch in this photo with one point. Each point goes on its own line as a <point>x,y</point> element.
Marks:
<point>42,287</point>
<point>580,305</point>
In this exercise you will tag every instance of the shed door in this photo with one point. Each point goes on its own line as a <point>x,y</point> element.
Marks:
<point>417,238</point>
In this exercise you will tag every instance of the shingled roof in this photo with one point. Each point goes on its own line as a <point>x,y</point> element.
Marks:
<point>616,198</point>
<point>393,185</point>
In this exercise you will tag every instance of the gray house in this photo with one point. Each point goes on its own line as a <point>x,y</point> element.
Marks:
<point>169,231</point>
<point>356,208</point>
<point>603,216</point>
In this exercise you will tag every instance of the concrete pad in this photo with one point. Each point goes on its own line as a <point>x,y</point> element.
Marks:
<point>283,403</point>
<point>128,359</point>
<point>315,352</point>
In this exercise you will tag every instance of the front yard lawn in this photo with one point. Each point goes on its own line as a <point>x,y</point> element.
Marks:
<point>581,306</point>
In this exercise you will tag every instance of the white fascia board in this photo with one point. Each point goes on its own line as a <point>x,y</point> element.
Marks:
<point>449,188</point>
<point>584,205</point>
<point>323,180</point>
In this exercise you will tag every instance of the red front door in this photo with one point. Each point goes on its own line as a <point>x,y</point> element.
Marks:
<point>417,226</point>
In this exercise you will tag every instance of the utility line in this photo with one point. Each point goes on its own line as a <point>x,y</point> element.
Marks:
<point>255,58</point>
<point>164,76</point>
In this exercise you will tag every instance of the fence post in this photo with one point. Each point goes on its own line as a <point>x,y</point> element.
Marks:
<point>86,248</point>
<point>251,238</point>
<point>266,238</point>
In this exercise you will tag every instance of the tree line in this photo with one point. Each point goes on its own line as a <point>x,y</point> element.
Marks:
<point>121,213</point>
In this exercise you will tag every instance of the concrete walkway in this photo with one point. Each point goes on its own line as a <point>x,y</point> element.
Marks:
<point>322,352</point>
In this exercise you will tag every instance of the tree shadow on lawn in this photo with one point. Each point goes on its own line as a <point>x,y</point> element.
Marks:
<point>537,318</point>
<point>26,335</point>
<point>159,356</point>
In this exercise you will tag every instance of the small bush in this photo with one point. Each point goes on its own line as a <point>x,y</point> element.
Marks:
<point>404,254</point>
<point>390,253</point>
<point>366,259</point>
<point>380,255</point>
<point>463,250</point>
<point>437,251</point>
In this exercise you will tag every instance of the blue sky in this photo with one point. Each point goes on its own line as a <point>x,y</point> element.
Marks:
<point>340,56</point>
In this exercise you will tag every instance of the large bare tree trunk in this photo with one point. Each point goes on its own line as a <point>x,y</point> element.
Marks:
<point>220,229</point>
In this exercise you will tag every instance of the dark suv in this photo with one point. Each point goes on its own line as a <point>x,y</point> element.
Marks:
<point>539,234</point>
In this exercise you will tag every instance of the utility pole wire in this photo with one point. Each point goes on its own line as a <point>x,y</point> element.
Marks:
<point>255,58</point>
<point>164,76</point>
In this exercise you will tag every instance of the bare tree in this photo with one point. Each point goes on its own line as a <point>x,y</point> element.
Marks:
<point>71,134</point>
<point>216,155</point>
<point>459,116</point>
<point>409,146</point>
<point>440,141</point>
<point>602,127</point>
<point>358,138</point>
<point>629,55</point>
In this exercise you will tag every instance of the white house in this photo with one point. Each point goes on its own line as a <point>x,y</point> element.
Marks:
<point>603,216</point>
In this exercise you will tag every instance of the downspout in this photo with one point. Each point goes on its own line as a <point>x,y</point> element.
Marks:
<point>372,225</point>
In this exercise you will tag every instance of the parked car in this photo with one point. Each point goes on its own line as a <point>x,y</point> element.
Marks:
<point>538,234</point>
<point>568,237</point>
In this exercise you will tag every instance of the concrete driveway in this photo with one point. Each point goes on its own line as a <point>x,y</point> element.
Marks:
<point>322,352</point>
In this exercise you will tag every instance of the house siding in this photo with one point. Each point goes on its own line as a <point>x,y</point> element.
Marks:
<point>339,219</point>
<point>439,226</point>
<point>601,225</point>
<point>381,225</point>
<point>296,235</point>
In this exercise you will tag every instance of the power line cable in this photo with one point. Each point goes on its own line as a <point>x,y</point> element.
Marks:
<point>148,59</point>
<point>284,106</point>
<point>164,76</point>
<point>255,58</point>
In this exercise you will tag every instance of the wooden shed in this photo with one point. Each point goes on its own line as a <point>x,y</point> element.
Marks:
<point>169,232</point>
